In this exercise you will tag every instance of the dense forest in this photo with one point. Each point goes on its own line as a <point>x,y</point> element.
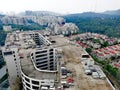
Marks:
<point>98,23</point>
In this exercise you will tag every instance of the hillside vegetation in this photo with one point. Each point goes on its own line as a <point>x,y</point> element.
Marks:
<point>98,23</point>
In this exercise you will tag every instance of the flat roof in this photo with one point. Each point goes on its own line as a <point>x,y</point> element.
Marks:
<point>19,40</point>
<point>27,64</point>
<point>29,70</point>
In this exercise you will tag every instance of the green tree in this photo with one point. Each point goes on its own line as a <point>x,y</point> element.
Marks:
<point>96,40</point>
<point>89,50</point>
<point>105,44</point>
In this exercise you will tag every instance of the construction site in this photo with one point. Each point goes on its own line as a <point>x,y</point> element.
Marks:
<point>71,60</point>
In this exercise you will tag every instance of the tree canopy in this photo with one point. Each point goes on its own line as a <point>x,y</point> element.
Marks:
<point>103,25</point>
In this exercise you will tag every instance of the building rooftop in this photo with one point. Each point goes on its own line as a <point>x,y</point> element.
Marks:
<point>19,40</point>
<point>27,65</point>
<point>110,50</point>
<point>25,45</point>
<point>29,70</point>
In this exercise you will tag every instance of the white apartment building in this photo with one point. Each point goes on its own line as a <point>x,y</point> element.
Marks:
<point>7,28</point>
<point>67,28</point>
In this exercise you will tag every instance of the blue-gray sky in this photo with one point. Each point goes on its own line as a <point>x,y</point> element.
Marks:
<point>60,6</point>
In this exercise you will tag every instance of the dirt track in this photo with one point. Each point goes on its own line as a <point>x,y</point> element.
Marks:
<point>82,82</point>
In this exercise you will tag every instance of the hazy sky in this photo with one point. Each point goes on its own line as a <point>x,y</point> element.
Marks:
<point>60,6</point>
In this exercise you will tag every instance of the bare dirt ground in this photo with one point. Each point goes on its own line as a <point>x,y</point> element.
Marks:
<point>71,56</point>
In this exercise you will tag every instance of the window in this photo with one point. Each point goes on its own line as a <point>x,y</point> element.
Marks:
<point>35,87</point>
<point>51,56</point>
<point>35,82</point>
<point>51,60</point>
<point>23,81</point>
<point>51,68</point>
<point>27,84</point>
<point>41,59</point>
<point>41,62</point>
<point>42,82</point>
<point>27,79</point>
<point>8,53</point>
<point>44,65</point>
<point>41,55</point>
<point>51,49</point>
<point>51,63</point>
<point>41,52</point>
<point>32,57</point>
<point>51,53</point>
<point>32,54</point>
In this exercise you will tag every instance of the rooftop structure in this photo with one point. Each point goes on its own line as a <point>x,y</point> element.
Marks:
<point>34,64</point>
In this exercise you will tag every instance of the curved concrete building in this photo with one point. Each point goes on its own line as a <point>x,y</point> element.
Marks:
<point>39,69</point>
<point>29,55</point>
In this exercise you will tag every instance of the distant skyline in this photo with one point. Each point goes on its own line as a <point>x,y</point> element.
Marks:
<point>58,6</point>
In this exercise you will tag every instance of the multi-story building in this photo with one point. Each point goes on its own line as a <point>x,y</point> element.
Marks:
<point>7,28</point>
<point>65,28</point>
<point>37,67</point>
